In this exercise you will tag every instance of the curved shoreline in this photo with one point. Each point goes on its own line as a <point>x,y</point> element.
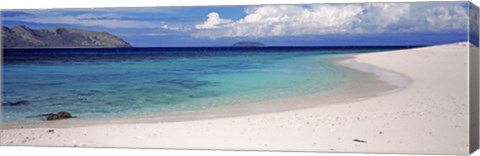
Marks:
<point>371,76</point>
<point>422,118</point>
<point>393,78</point>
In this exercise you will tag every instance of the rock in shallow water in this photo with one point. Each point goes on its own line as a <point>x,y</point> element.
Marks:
<point>58,116</point>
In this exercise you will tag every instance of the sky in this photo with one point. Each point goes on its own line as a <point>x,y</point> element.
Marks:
<point>421,23</point>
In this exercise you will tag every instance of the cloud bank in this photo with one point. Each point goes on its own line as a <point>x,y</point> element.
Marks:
<point>268,21</point>
<point>94,19</point>
<point>107,20</point>
<point>324,19</point>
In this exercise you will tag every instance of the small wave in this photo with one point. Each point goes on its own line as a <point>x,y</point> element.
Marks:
<point>392,78</point>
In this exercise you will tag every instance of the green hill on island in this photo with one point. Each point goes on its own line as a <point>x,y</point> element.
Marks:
<point>25,37</point>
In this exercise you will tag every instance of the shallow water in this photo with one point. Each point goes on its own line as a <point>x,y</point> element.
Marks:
<point>93,85</point>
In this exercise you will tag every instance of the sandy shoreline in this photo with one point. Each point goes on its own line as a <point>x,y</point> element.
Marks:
<point>423,117</point>
<point>354,91</point>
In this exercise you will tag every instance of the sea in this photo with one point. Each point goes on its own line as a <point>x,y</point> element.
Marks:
<point>106,83</point>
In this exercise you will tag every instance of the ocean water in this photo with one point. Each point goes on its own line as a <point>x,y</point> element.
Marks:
<point>110,83</point>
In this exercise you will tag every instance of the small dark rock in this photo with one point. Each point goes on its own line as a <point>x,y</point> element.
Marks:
<point>58,116</point>
<point>360,141</point>
<point>51,131</point>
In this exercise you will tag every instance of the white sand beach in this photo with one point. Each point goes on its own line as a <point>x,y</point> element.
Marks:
<point>428,115</point>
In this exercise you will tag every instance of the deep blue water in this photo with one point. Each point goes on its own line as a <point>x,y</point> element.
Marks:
<point>105,83</point>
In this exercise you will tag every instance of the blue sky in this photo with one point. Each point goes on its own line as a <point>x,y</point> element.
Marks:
<point>274,25</point>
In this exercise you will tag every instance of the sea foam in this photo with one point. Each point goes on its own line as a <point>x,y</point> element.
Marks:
<point>391,77</point>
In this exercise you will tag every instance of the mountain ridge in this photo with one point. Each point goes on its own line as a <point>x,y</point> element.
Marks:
<point>25,37</point>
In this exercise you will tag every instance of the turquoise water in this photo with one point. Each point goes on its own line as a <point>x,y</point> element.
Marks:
<point>133,84</point>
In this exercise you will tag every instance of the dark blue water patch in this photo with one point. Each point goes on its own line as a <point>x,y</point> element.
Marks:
<point>90,93</point>
<point>16,103</point>
<point>92,55</point>
<point>196,50</point>
<point>48,84</point>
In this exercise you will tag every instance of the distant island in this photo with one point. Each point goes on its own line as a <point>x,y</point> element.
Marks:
<point>25,37</point>
<point>248,44</point>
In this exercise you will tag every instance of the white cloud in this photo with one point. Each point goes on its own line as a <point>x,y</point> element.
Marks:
<point>176,28</point>
<point>381,17</point>
<point>474,23</point>
<point>213,21</point>
<point>286,20</point>
<point>108,20</point>
<point>442,18</point>
<point>296,20</point>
